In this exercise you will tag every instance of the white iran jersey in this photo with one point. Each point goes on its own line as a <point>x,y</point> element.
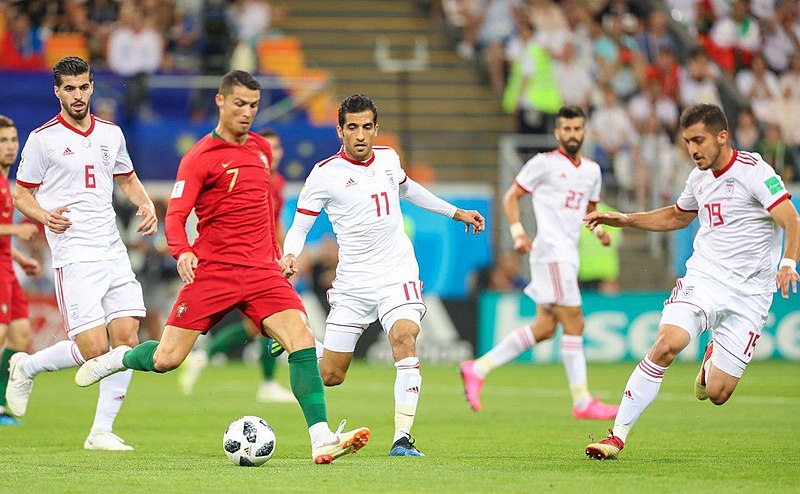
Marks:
<point>76,169</point>
<point>739,243</point>
<point>363,204</point>
<point>561,191</point>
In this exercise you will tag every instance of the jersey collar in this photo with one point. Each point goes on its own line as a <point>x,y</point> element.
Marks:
<point>574,163</point>
<point>344,156</point>
<point>728,166</point>
<point>75,129</point>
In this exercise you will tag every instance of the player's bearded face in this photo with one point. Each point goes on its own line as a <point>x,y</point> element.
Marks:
<point>570,133</point>
<point>704,147</point>
<point>9,146</point>
<point>358,134</point>
<point>238,109</point>
<point>74,93</point>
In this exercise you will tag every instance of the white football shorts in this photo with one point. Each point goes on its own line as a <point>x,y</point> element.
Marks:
<point>736,319</point>
<point>92,294</point>
<point>352,311</point>
<point>554,283</point>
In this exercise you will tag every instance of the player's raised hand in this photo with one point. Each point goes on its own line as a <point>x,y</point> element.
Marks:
<point>596,218</point>
<point>26,231</point>
<point>787,276</point>
<point>30,265</point>
<point>56,221</point>
<point>522,244</point>
<point>470,218</point>
<point>149,223</point>
<point>289,265</point>
<point>187,263</point>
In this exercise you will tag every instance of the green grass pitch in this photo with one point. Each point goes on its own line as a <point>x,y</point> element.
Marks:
<point>525,439</point>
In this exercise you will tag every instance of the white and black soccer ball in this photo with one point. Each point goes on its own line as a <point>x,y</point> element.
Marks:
<point>249,441</point>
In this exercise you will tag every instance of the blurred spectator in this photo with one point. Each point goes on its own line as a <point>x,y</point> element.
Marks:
<point>656,149</point>
<point>614,136</point>
<point>599,266</point>
<point>21,47</point>
<point>685,12</point>
<point>574,78</point>
<point>532,92</point>
<point>790,81</point>
<point>656,36</point>
<point>667,71</point>
<point>619,61</point>
<point>101,17</point>
<point>759,86</point>
<point>735,38</point>
<point>549,24</point>
<point>184,36</point>
<point>135,51</point>
<point>782,36</point>
<point>252,20</point>
<point>652,102</point>
<point>747,134</point>
<point>698,81</point>
<point>776,152</point>
<point>501,276</point>
<point>491,25</point>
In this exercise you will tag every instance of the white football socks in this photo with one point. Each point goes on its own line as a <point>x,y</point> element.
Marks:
<point>407,386</point>
<point>61,355</point>
<point>640,391</point>
<point>575,367</point>
<point>112,393</point>
<point>509,348</point>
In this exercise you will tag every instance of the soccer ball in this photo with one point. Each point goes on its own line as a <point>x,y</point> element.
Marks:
<point>249,441</point>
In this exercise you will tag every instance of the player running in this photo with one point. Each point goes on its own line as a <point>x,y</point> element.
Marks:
<point>225,178</point>
<point>65,181</point>
<point>564,186</point>
<point>15,327</point>
<point>731,277</point>
<point>377,277</point>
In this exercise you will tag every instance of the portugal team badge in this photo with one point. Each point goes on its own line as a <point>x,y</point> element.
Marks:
<point>263,159</point>
<point>181,310</point>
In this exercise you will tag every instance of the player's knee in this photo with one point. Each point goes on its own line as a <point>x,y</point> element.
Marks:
<point>544,328</point>
<point>664,351</point>
<point>404,344</point>
<point>129,340</point>
<point>332,377</point>
<point>719,398</point>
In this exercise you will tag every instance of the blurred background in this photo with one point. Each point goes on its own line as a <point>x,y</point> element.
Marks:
<point>466,91</point>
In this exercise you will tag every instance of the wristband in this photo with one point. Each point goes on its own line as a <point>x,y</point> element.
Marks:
<point>786,261</point>
<point>516,229</point>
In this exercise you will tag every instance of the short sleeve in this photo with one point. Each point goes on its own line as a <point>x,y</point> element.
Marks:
<point>687,201</point>
<point>594,194</point>
<point>122,162</point>
<point>531,174</point>
<point>33,163</point>
<point>768,187</point>
<point>314,194</point>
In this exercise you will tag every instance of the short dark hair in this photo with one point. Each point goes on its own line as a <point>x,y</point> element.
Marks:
<point>571,112</point>
<point>267,133</point>
<point>710,115</point>
<point>6,122</point>
<point>71,66</point>
<point>356,104</point>
<point>237,78</point>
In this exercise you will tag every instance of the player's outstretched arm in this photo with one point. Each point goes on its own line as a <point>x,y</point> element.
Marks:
<point>522,243</point>
<point>294,242</point>
<point>786,216</point>
<point>665,219</point>
<point>24,231</point>
<point>26,203</point>
<point>133,189</point>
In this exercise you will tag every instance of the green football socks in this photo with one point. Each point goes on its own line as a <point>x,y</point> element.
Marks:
<point>307,385</point>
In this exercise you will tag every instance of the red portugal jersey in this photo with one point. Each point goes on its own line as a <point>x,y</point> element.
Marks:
<point>228,185</point>
<point>6,218</point>
<point>278,185</point>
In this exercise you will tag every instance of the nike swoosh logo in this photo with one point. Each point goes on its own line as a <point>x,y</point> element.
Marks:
<point>226,165</point>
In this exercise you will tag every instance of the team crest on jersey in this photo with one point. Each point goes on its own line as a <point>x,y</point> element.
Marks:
<point>181,310</point>
<point>4,309</point>
<point>73,311</point>
<point>263,158</point>
<point>687,292</point>
<point>729,187</point>
<point>106,156</point>
<point>390,177</point>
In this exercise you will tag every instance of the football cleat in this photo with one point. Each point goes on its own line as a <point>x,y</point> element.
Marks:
<point>191,369</point>
<point>19,385</point>
<point>275,348</point>
<point>404,447</point>
<point>472,384</point>
<point>94,370</point>
<point>700,380</point>
<point>6,419</point>
<point>607,449</point>
<point>106,441</point>
<point>346,443</point>
<point>597,410</point>
<point>273,392</point>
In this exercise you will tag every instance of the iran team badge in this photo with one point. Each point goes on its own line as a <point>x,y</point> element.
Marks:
<point>687,292</point>
<point>105,155</point>
<point>390,177</point>
<point>729,187</point>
